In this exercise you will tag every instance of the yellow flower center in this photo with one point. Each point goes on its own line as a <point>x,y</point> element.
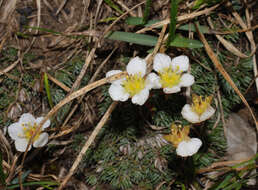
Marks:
<point>200,104</point>
<point>178,134</point>
<point>28,131</point>
<point>169,77</point>
<point>134,84</point>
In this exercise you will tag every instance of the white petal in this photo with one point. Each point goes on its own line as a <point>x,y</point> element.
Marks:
<point>207,114</point>
<point>189,115</point>
<point>186,80</point>
<point>141,97</point>
<point>153,81</point>
<point>21,144</point>
<point>114,72</point>
<point>181,62</point>
<point>15,130</point>
<point>136,65</point>
<point>27,118</point>
<point>41,141</point>
<point>188,148</point>
<point>117,93</point>
<point>161,61</point>
<point>174,89</point>
<point>45,125</point>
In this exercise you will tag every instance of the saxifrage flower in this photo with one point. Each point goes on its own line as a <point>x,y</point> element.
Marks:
<point>22,131</point>
<point>199,111</point>
<point>171,76</point>
<point>185,146</point>
<point>136,85</point>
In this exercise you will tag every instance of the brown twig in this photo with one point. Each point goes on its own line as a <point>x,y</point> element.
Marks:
<point>87,144</point>
<point>180,18</point>
<point>224,73</point>
<point>229,46</point>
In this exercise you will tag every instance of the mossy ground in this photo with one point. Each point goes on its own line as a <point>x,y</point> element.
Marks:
<point>127,153</point>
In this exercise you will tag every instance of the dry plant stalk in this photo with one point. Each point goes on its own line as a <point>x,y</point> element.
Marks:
<point>69,98</point>
<point>220,164</point>
<point>180,18</point>
<point>80,92</point>
<point>229,46</point>
<point>224,73</point>
<point>250,37</point>
<point>88,143</point>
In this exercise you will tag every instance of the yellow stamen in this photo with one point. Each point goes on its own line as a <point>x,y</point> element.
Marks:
<point>28,131</point>
<point>134,84</point>
<point>200,104</point>
<point>178,134</point>
<point>169,77</point>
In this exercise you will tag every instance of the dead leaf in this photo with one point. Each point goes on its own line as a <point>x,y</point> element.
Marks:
<point>241,139</point>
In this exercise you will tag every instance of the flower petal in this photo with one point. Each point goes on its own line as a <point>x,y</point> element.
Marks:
<point>189,115</point>
<point>117,93</point>
<point>15,130</point>
<point>161,61</point>
<point>207,114</point>
<point>21,144</point>
<point>186,80</point>
<point>153,81</point>
<point>136,66</point>
<point>27,118</point>
<point>174,89</point>
<point>188,148</point>
<point>181,62</point>
<point>114,72</point>
<point>41,141</point>
<point>141,97</point>
<point>45,125</point>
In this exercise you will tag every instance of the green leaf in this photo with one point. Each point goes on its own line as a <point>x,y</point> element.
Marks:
<point>108,19</point>
<point>172,25</point>
<point>148,40</point>
<point>49,97</point>
<point>146,11</point>
<point>198,3</point>
<point>41,183</point>
<point>43,30</point>
<point>141,39</point>
<point>139,20</point>
<point>113,5</point>
<point>245,163</point>
<point>185,43</point>
<point>23,177</point>
<point>191,27</point>
<point>225,182</point>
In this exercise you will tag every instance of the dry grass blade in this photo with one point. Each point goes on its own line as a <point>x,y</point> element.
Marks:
<point>229,46</point>
<point>221,164</point>
<point>69,98</point>
<point>180,18</point>
<point>6,70</point>
<point>58,83</point>
<point>235,31</point>
<point>88,143</point>
<point>250,37</point>
<point>220,68</point>
<point>8,10</point>
<point>61,6</point>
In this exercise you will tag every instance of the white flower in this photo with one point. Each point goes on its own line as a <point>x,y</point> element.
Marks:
<point>199,111</point>
<point>22,131</point>
<point>171,77</point>
<point>188,147</point>
<point>185,146</point>
<point>136,85</point>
